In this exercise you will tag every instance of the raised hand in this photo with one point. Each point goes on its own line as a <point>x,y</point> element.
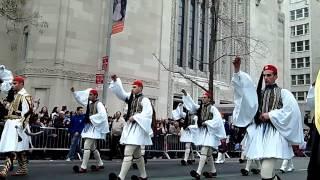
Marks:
<point>114,77</point>
<point>236,64</point>
<point>184,92</point>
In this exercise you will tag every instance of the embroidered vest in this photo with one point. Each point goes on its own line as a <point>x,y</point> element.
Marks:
<point>271,99</point>
<point>206,114</point>
<point>136,106</point>
<point>93,108</point>
<point>15,106</point>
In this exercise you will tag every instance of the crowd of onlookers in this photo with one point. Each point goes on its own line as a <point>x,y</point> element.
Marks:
<point>74,121</point>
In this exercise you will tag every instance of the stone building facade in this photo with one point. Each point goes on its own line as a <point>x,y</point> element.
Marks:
<point>69,52</point>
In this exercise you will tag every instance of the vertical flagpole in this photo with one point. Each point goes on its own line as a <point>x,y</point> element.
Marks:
<point>109,8</point>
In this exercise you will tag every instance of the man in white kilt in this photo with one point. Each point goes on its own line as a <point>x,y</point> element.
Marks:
<point>14,138</point>
<point>137,131</point>
<point>277,124</point>
<point>209,134</point>
<point>242,118</point>
<point>189,122</point>
<point>96,127</point>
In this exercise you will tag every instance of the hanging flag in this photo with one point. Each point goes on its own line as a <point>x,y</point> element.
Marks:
<point>119,13</point>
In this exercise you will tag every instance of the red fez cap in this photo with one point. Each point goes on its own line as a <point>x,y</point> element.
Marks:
<point>19,79</point>
<point>138,83</point>
<point>94,92</point>
<point>207,94</point>
<point>270,67</point>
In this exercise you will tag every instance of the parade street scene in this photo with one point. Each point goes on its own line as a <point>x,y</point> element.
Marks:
<point>159,89</point>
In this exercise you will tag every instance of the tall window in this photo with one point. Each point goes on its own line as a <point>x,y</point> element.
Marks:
<point>306,28</point>
<point>306,45</point>
<point>300,96</point>
<point>293,30</point>
<point>292,15</point>
<point>300,63</point>
<point>306,12</point>
<point>201,36</point>
<point>300,79</point>
<point>25,41</point>
<point>181,16</point>
<point>191,34</point>
<point>307,78</point>
<point>293,80</point>
<point>299,29</point>
<point>307,61</point>
<point>293,63</point>
<point>299,13</point>
<point>293,47</point>
<point>299,46</point>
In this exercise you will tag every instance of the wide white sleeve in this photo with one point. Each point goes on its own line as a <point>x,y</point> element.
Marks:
<point>100,119</point>
<point>287,120</point>
<point>215,125</point>
<point>117,88</point>
<point>178,112</point>
<point>82,96</point>
<point>310,98</point>
<point>144,118</point>
<point>7,78</point>
<point>189,104</point>
<point>245,99</point>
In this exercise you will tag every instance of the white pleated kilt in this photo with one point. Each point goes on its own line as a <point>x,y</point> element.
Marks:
<point>202,137</point>
<point>266,143</point>
<point>89,131</point>
<point>186,136</point>
<point>9,137</point>
<point>244,143</point>
<point>133,134</point>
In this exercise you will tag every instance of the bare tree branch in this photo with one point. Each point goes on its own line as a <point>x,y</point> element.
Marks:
<point>178,72</point>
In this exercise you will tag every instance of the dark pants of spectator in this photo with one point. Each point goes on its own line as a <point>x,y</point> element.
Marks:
<point>314,163</point>
<point>75,146</point>
<point>116,147</point>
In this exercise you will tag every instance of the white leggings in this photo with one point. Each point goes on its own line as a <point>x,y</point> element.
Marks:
<point>267,168</point>
<point>132,152</point>
<point>206,152</point>
<point>90,145</point>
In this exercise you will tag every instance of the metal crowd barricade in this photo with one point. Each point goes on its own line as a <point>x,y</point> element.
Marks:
<point>59,139</point>
<point>51,138</point>
<point>158,145</point>
<point>174,145</point>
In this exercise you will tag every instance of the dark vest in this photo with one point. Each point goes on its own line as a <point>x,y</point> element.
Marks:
<point>15,107</point>
<point>93,108</point>
<point>271,100</point>
<point>206,114</point>
<point>136,106</point>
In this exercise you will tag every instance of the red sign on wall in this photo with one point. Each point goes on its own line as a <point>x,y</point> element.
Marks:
<point>105,62</point>
<point>99,78</point>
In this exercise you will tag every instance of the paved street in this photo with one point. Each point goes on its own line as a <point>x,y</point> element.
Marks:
<point>156,169</point>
